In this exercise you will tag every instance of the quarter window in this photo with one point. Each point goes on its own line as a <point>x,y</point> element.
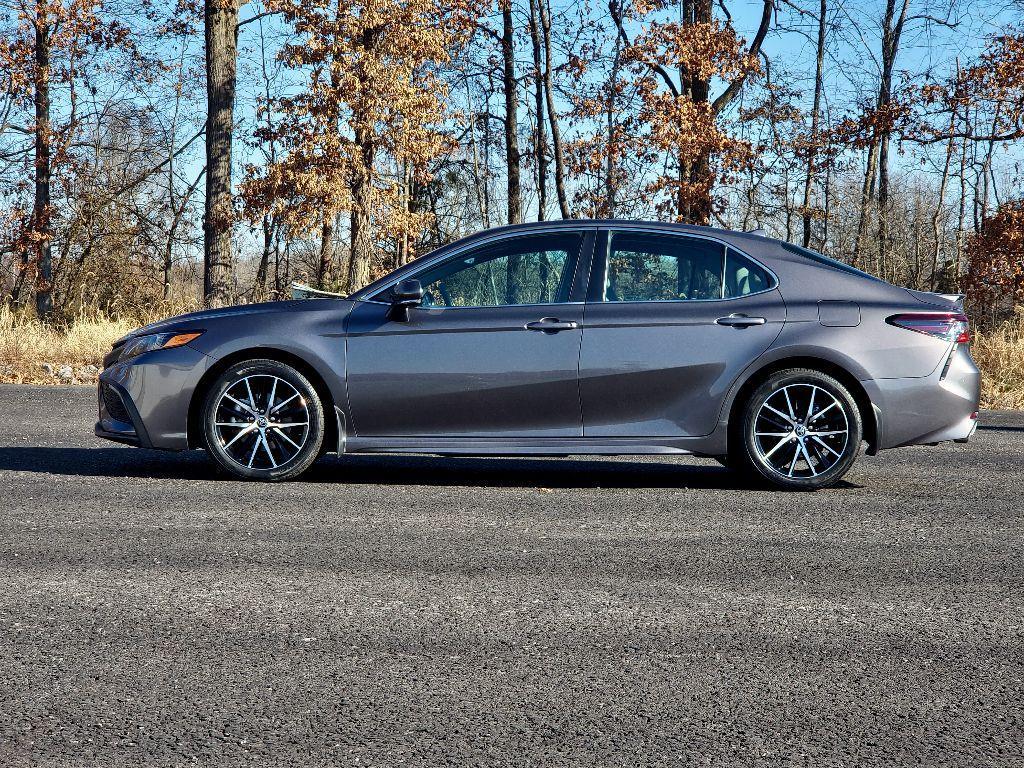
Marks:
<point>645,267</point>
<point>743,277</point>
<point>531,270</point>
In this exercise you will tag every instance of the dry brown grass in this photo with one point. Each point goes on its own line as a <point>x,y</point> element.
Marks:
<point>34,353</point>
<point>1000,355</point>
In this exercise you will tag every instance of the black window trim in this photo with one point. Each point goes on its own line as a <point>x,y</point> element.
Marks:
<point>599,270</point>
<point>580,274</point>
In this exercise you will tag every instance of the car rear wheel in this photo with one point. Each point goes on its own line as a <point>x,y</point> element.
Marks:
<point>801,430</point>
<point>263,420</point>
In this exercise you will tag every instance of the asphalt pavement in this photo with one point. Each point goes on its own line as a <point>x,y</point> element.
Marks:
<point>425,611</point>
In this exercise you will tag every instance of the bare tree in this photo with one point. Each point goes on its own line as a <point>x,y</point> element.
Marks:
<point>221,17</point>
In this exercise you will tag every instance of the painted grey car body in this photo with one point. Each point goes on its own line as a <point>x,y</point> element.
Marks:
<point>630,377</point>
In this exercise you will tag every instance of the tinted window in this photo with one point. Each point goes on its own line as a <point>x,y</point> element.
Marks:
<point>535,270</point>
<point>743,277</point>
<point>643,267</point>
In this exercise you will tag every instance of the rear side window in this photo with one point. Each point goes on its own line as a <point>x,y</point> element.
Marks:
<point>648,267</point>
<point>743,277</point>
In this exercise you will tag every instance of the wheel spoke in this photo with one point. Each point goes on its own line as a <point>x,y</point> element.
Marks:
<point>252,456</point>
<point>281,405</point>
<point>273,395</point>
<point>778,412</point>
<point>773,434</point>
<point>796,458</point>
<point>245,431</point>
<point>252,400</point>
<point>826,446</point>
<point>778,445</point>
<point>266,445</point>
<point>280,433</point>
<point>239,403</point>
<point>827,434</point>
<point>807,458</point>
<point>291,424</point>
<point>831,405</point>
<point>789,404</point>
<point>810,407</point>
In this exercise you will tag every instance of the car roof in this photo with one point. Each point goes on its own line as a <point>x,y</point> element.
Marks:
<point>554,224</point>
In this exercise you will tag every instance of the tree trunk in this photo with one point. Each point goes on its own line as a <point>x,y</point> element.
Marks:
<point>512,156</point>
<point>540,148</point>
<point>325,265</point>
<point>611,110</point>
<point>936,217</point>
<point>362,195</point>
<point>866,196</point>
<point>479,182</point>
<point>221,59</point>
<point>556,134</point>
<point>890,48</point>
<point>41,226</point>
<point>815,118</point>
<point>260,289</point>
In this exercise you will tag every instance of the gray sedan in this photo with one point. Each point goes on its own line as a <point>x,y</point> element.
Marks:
<point>570,337</point>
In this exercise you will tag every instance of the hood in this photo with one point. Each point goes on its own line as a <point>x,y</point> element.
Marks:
<point>196,320</point>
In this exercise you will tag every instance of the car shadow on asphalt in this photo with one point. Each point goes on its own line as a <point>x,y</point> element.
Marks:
<point>576,472</point>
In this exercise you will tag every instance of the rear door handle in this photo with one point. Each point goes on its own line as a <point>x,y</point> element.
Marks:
<point>551,325</point>
<point>740,321</point>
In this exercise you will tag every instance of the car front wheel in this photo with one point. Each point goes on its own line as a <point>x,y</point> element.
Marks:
<point>263,420</point>
<point>801,430</point>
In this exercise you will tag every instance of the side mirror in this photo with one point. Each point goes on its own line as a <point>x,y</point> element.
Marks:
<point>404,296</point>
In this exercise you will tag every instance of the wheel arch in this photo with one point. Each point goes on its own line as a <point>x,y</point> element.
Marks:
<point>195,407</point>
<point>829,367</point>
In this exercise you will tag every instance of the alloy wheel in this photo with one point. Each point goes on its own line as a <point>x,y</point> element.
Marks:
<point>262,422</point>
<point>801,431</point>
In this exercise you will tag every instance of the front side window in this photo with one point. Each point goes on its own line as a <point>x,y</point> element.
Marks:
<point>528,270</point>
<point>648,267</point>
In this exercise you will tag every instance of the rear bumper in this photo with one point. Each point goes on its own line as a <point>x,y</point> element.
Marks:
<point>929,409</point>
<point>145,401</point>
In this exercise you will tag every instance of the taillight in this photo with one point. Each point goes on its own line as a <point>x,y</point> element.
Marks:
<point>948,326</point>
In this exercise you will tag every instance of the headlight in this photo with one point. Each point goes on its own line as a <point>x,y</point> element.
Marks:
<point>141,344</point>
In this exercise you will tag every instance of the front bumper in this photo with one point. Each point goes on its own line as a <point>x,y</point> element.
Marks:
<point>930,409</point>
<point>145,401</point>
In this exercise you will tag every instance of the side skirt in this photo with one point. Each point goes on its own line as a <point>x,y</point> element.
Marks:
<point>523,447</point>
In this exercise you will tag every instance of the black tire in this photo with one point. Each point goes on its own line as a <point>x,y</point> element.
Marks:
<point>815,454</point>
<point>284,433</point>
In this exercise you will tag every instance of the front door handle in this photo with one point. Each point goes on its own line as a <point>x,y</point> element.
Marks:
<point>551,325</point>
<point>740,321</point>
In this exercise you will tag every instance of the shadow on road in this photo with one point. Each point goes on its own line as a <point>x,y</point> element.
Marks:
<point>389,469</point>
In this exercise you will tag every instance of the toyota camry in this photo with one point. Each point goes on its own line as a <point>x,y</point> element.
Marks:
<point>563,338</point>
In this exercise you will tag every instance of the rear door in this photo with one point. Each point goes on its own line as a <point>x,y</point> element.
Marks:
<point>671,321</point>
<point>492,352</point>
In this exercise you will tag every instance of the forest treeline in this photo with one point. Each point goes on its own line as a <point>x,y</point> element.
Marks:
<point>216,151</point>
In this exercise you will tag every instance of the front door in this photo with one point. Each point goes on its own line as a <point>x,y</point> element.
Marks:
<point>492,352</point>
<point>671,321</point>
